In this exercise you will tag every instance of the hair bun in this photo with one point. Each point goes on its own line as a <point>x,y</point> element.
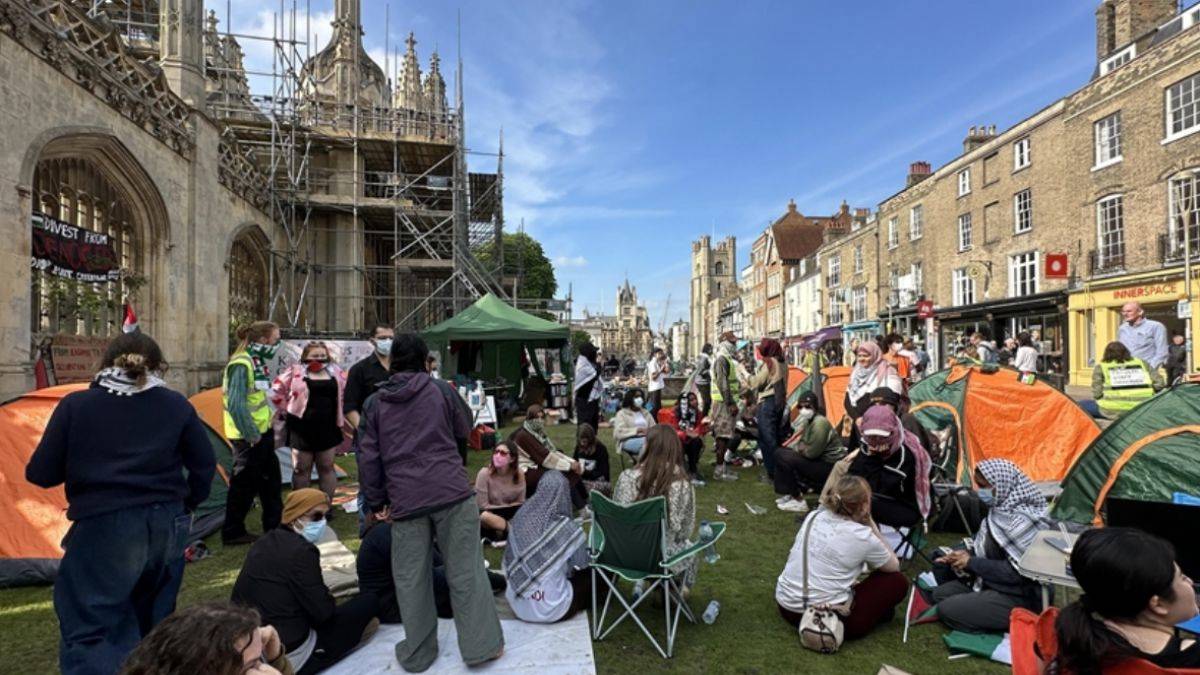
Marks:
<point>130,361</point>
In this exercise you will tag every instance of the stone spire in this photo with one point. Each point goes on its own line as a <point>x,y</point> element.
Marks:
<point>435,86</point>
<point>347,15</point>
<point>408,89</point>
<point>181,47</point>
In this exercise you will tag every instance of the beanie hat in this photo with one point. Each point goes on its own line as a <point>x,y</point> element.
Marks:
<point>300,501</point>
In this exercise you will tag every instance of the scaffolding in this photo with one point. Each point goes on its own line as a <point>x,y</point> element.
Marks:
<point>380,221</point>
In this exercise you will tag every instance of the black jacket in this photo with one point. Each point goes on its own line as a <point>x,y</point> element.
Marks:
<point>281,578</point>
<point>893,477</point>
<point>600,455</point>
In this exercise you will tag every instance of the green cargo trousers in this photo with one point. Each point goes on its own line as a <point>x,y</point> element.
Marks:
<point>457,531</point>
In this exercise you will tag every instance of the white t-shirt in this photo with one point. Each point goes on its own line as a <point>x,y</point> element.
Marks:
<point>836,554</point>
<point>1026,359</point>
<point>547,600</point>
<point>659,382</point>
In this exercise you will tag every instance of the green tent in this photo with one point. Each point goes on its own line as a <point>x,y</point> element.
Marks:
<point>500,332</point>
<point>1148,454</point>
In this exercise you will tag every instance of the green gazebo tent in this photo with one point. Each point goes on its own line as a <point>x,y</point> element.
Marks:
<point>501,332</point>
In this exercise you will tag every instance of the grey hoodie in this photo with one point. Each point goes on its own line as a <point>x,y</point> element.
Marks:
<point>408,447</point>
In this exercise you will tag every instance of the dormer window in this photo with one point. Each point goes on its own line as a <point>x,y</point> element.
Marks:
<point>1117,60</point>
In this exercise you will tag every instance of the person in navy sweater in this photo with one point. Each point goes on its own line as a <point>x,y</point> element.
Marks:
<point>121,448</point>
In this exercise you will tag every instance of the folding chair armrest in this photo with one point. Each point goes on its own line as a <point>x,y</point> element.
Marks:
<point>595,540</point>
<point>718,530</point>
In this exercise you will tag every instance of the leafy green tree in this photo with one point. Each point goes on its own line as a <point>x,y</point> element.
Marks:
<point>524,255</point>
<point>578,339</point>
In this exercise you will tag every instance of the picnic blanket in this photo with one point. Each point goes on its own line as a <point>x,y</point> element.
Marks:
<point>337,565</point>
<point>563,648</point>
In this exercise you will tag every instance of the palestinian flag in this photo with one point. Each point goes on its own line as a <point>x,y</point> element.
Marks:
<point>920,605</point>
<point>994,646</point>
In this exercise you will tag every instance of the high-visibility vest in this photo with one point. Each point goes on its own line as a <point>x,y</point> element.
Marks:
<point>256,399</point>
<point>1126,384</point>
<point>734,385</point>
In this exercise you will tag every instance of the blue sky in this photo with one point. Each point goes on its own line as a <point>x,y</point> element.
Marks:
<point>631,128</point>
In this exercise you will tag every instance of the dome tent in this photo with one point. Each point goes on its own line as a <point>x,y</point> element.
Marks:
<point>989,413</point>
<point>30,541</point>
<point>1150,453</point>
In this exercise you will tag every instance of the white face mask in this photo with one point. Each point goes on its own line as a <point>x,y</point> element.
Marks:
<point>807,413</point>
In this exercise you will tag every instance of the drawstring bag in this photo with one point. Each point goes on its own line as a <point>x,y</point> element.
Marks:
<point>821,628</point>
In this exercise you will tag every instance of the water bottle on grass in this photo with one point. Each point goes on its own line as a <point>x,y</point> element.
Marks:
<point>711,612</point>
<point>706,536</point>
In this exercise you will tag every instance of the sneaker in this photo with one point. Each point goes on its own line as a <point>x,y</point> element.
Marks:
<point>793,506</point>
<point>696,482</point>
<point>783,499</point>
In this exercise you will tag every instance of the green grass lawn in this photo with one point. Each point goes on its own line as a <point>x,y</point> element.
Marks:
<point>748,636</point>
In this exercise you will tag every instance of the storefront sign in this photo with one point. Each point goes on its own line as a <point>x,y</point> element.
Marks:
<point>72,252</point>
<point>1145,292</point>
<point>76,358</point>
<point>925,309</point>
<point>1056,265</point>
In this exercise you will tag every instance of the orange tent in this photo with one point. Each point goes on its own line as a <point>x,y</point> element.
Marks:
<point>835,379</point>
<point>796,377</point>
<point>37,518</point>
<point>995,415</point>
<point>211,408</point>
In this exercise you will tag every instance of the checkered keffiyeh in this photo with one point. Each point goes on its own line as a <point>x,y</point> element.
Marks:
<point>1018,512</point>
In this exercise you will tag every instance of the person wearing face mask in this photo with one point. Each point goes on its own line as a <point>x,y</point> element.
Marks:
<point>895,465</point>
<point>630,424</point>
<point>902,364</point>
<point>120,449</point>
<point>807,457</point>
<point>500,491</point>
<point>308,401</point>
<point>246,382</point>
<point>281,579</point>
<point>365,376</point>
<point>978,588</point>
<point>538,454</point>
<point>1130,605</point>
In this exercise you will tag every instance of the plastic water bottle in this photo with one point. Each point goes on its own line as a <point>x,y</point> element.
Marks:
<point>711,612</point>
<point>639,587</point>
<point>706,535</point>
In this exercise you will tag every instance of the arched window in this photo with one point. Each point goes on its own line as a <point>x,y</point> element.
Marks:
<point>76,191</point>
<point>248,292</point>
<point>720,269</point>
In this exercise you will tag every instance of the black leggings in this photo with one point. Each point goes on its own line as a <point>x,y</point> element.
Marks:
<point>692,448</point>
<point>888,511</point>
<point>795,474</point>
<point>338,636</point>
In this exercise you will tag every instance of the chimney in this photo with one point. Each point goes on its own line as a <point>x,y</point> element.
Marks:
<point>862,213</point>
<point>1120,22</point>
<point>917,172</point>
<point>791,206</point>
<point>845,209</point>
<point>977,136</point>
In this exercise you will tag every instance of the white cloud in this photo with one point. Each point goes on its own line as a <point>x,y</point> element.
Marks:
<point>565,262</point>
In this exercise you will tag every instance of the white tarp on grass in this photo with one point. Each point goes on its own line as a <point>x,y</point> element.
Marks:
<point>563,648</point>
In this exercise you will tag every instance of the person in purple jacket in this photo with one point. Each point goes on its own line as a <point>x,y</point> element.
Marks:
<point>412,440</point>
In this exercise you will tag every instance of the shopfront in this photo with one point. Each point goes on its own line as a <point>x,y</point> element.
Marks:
<point>1043,316</point>
<point>860,330</point>
<point>1095,313</point>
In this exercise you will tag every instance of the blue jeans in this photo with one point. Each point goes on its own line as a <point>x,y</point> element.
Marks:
<point>634,446</point>
<point>119,577</point>
<point>1091,407</point>
<point>768,432</point>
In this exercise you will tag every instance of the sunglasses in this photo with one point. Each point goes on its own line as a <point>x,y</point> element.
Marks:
<point>316,517</point>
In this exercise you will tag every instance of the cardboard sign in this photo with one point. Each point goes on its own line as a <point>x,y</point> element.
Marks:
<point>1132,376</point>
<point>76,358</point>
<point>72,252</point>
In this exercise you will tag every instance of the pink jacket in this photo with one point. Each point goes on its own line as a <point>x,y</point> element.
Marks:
<point>289,392</point>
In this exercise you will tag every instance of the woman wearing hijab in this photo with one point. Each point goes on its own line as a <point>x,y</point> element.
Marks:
<point>537,455</point>
<point>870,372</point>
<point>588,386</point>
<point>895,465</point>
<point>770,385</point>
<point>546,560</point>
<point>660,473</point>
<point>978,588</point>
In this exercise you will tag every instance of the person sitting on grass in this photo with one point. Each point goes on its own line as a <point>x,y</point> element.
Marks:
<point>978,589</point>
<point>500,491</point>
<point>214,638</point>
<point>841,539</point>
<point>660,473</point>
<point>281,578</point>
<point>631,422</point>
<point>1134,594</point>
<point>538,455</point>
<point>546,560</point>
<point>895,466</point>
<point>373,564</point>
<point>689,425</point>
<point>807,457</point>
<point>592,454</point>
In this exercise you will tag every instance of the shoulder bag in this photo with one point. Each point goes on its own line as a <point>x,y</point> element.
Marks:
<point>821,628</point>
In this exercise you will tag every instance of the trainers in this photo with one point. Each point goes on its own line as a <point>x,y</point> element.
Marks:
<point>696,482</point>
<point>783,499</point>
<point>793,506</point>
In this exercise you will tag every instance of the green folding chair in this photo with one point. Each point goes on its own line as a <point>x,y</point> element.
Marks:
<point>628,542</point>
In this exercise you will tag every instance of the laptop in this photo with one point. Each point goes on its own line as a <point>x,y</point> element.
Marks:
<point>1177,523</point>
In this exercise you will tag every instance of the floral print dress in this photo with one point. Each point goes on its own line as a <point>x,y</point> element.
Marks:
<point>681,517</point>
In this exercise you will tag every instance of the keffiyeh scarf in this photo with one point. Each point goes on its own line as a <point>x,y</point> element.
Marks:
<point>585,371</point>
<point>117,381</point>
<point>542,535</point>
<point>1018,512</point>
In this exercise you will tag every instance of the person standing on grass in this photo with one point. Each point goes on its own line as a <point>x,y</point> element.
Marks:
<point>589,386</point>
<point>411,471</point>
<point>656,378</point>
<point>366,375</point>
<point>841,538</point>
<point>723,416</point>
<point>770,385</point>
<point>247,420</point>
<point>121,448</point>
<point>704,378</point>
<point>308,399</point>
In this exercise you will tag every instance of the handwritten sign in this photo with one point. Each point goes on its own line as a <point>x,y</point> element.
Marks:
<point>1129,377</point>
<point>76,358</point>
<point>72,252</point>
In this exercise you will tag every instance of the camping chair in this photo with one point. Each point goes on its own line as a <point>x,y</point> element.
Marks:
<point>629,542</point>
<point>1035,643</point>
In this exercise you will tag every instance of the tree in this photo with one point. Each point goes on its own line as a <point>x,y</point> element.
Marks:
<point>524,255</point>
<point>578,339</point>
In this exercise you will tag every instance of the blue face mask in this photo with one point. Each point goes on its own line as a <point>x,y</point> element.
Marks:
<point>312,531</point>
<point>383,346</point>
<point>986,496</point>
